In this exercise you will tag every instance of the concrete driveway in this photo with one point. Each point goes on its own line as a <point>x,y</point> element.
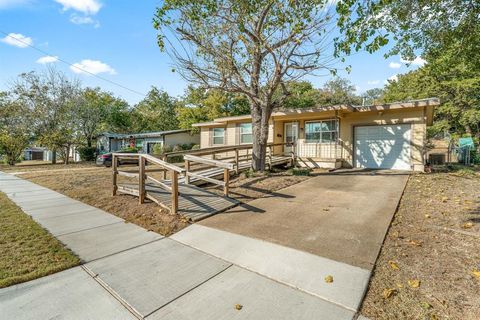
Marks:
<point>342,216</point>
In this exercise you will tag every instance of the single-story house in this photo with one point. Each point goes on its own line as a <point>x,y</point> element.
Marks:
<point>44,154</point>
<point>390,136</point>
<point>111,142</point>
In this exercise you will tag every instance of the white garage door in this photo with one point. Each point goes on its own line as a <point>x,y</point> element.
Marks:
<point>386,147</point>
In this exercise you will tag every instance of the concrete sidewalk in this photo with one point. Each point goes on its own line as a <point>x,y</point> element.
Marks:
<point>131,273</point>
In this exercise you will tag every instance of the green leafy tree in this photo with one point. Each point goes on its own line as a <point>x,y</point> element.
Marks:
<point>118,118</point>
<point>156,112</point>
<point>373,96</point>
<point>15,128</point>
<point>302,95</point>
<point>445,33</point>
<point>50,97</point>
<point>338,91</point>
<point>251,48</point>
<point>200,105</point>
<point>91,113</point>
<point>429,26</point>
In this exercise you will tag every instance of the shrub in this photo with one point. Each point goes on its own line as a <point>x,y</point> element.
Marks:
<point>196,147</point>
<point>129,150</point>
<point>177,148</point>
<point>157,149</point>
<point>87,153</point>
<point>300,171</point>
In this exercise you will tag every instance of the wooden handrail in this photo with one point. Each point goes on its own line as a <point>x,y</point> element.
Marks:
<point>213,150</point>
<point>142,175</point>
<point>216,163</point>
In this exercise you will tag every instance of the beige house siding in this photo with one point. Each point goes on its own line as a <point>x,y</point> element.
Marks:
<point>204,137</point>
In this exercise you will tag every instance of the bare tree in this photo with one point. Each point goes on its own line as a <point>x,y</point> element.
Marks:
<point>249,47</point>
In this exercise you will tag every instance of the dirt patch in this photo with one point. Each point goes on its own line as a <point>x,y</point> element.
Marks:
<point>246,189</point>
<point>428,263</point>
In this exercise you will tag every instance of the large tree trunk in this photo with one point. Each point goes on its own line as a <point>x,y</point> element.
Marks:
<point>260,118</point>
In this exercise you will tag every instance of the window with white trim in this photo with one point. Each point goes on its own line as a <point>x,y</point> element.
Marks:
<point>245,130</point>
<point>321,131</point>
<point>218,136</point>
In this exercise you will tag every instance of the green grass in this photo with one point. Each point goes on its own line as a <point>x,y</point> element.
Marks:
<point>27,251</point>
<point>300,171</point>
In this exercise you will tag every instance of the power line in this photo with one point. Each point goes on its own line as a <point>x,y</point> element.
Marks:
<point>72,65</point>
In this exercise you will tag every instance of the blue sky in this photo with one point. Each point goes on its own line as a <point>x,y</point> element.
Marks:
<point>116,41</point>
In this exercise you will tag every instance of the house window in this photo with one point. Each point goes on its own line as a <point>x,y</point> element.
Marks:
<point>245,133</point>
<point>324,131</point>
<point>218,136</point>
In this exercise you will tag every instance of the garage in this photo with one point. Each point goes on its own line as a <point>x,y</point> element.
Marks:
<point>383,147</point>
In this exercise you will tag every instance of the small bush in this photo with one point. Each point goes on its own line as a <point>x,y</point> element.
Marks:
<point>177,148</point>
<point>157,149</point>
<point>300,171</point>
<point>129,150</point>
<point>196,147</point>
<point>187,146</point>
<point>87,153</point>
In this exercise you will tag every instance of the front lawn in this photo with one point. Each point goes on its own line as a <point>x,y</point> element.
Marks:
<point>429,266</point>
<point>27,251</point>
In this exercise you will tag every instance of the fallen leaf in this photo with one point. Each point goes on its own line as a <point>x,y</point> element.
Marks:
<point>415,243</point>
<point>387,293</point>
<point>425,305</point>
<point>328,279</point>
<point>326,209</point>
<point>467,225</point>
<point>393,265</point>
<point>414,283</point>
<point>444,199</point>
<point>433,317</point>
<point>399,285</point>
<point>238,306</point>
<point>427,216</point>
<point>476,273</point>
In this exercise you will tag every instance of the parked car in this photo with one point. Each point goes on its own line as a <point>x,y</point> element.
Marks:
<point>106,159</point>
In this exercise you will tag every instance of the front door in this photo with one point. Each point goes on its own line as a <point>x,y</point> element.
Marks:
<point>291,135</point>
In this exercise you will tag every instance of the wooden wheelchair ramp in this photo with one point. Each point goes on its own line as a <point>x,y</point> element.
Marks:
<point>194,203</point>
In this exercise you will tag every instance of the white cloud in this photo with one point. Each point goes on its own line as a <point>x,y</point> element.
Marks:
<point>373,81</point>
<point>92,66</point>
<point>395,65</point>
<point>418,61</point>
<point>74,18</point>
<point>6,4</point>
<point>17,40</point>
<point>392,78</point>
<point>47,59</point>
<point>88,7</point>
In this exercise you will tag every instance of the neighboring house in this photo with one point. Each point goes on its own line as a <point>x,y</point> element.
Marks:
<point>111,142</point>
<point>34,153</point>
<point>390,136</point>
<point>43,154</point>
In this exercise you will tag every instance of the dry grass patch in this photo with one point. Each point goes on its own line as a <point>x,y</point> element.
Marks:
<point>27,251</point>
<point>428,265</point>
<point>246,188</point>
<point>95,188</point>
